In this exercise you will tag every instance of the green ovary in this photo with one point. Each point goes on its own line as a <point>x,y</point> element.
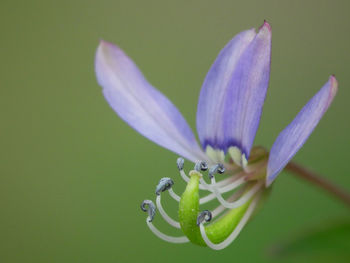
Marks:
<point>219,230</point>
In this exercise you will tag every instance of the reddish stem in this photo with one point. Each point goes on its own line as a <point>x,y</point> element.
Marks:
<point>318,180</point>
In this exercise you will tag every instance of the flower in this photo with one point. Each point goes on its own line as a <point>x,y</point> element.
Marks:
<point>228,114</point>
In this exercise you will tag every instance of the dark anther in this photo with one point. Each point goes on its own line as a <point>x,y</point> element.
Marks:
<point>201,166</point>
<point>204,216</point>
<point>151,209</point>
<point>164,184</point>
<point>180,163</point>
<point>218,168</point>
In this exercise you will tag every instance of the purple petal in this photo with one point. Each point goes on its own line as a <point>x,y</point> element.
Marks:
<point>142,106</point>
<point>233,94</point>
<point>296,133</point>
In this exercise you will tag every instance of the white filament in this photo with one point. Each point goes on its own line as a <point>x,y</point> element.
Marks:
<point>184,176</point>
<point>167,218</point>
<point>232,186</point>
<point>221,208</point>
<point>173,195</point>
<point>207,198</point>
<point>240,201</point>
<point>236,183</point>
<point>228,180</point>
<point>211,187</point>
<point>235,232</point>
<point>204,186</point>
<point>167,238</point>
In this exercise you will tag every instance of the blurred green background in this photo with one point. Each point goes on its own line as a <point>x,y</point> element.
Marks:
<point>73,174</point>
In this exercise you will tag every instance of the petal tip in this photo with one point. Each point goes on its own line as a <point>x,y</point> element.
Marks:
<point>265,26</point>
<point>105,43</point>
<point>108,48</point>
<point>334,83</point>
<point>109,55</point>
<point>102,47</point>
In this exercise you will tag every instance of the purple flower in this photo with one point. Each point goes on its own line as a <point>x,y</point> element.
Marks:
<point>228,113</point>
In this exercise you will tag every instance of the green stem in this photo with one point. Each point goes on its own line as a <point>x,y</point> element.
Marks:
<point>319,181</point>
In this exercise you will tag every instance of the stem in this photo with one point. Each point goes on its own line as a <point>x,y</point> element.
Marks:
<point>318,180</point>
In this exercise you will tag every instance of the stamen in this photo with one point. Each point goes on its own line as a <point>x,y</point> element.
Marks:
<point>218,168</point>
<point>235,232</point>
<point>180,163</point>
<point>228,187</point>
<point>164,184</point>
<point>184,176</point>
<point>225,189</point>
<point>204,216</point>
<point>213,187</point>
<point>167,238</point>
<point>229,180</point>
<point>151,213</point>
<point>230,224</point>
<point>201,166</point>
<point>236,182</point>
<point>207,198</point>
<point>245,198</point>
<point>221,208</point>
<point>231,186</point>
<point>218,191</point>
<point>203,185</point>
<point>167,218</point>
<point>174,196</point>
<point>151,209</point>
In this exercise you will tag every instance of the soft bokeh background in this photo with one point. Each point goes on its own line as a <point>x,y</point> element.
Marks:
<point>73,174</point>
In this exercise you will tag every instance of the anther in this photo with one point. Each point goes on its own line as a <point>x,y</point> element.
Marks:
<point>164,184</point>
<point>151,209</point>
<point>204,216</point>
<point>218,168</point>
<point>180,163</point>
<point>201,166</point>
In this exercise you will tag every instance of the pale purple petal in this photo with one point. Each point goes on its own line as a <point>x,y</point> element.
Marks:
<point>296,133</point>
<point>142,106</point>
<point>233,92</point>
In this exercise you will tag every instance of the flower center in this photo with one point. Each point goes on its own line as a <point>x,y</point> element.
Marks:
<point>245,186</point>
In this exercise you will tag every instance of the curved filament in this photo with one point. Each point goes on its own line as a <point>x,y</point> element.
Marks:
<point>235,232</point>
<point>167,238</point>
